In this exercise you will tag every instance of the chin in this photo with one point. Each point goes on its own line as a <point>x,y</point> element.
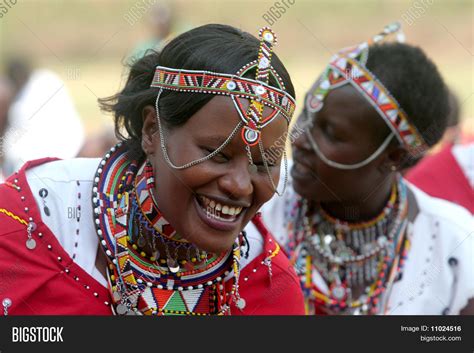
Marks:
<point>211,242</point>
<point>302,190</point>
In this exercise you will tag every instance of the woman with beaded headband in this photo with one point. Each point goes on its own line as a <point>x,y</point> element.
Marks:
<point>361,238</point>
<point>166,223</point>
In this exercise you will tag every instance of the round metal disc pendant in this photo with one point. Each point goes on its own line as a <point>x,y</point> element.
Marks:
<point>7,302</point>
<point>121,309</point>
<point>251,135</point>
<point>172,265</point>
<point>31,227</point>
<point>31,244</point>
<point>338,292</point>
<point>382,240</point>
<point>329,238</point>
<point>231,85</point>
<point>268,37</point>
<point>240,303</point>
<point>252,168</point>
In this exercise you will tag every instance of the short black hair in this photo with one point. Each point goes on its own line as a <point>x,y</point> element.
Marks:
<point>454,109</point>
<point>415,82</point>
<point>212,47</point>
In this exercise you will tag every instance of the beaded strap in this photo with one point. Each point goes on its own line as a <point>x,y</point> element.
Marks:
<point>348,67</point>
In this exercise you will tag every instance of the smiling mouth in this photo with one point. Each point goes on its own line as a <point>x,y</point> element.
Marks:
<point>301,169</point>
<point>217,214</point>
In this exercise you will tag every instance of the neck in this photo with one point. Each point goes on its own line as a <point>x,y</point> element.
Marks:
<point>159,245</point>
<point>365,208</point>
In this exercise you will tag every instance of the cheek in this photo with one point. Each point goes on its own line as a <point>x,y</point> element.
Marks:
<point>263,190</point>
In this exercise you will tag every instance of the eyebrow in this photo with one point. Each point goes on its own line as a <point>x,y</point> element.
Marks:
<point>218,140</point>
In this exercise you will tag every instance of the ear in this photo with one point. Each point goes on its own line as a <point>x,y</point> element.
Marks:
<point>149,129</point>
<point>395,158</point>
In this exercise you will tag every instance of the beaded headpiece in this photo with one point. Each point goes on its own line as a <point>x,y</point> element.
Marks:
<point>348,67</point>
<point>258,91</point>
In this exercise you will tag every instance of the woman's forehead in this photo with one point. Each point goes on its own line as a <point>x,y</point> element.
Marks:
<point>216,120</point>
<point>347,106</point>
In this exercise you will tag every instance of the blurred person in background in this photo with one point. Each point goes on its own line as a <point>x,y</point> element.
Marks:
<point>43,121</point>
<point>6,97</point>
<point>160,22</point>
<point>363,240</point>
<point>449,172</point>
<point>97,144</point>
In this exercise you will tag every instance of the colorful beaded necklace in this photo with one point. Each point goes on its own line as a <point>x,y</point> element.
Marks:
<point>124,209</point>
<point>344,255</point>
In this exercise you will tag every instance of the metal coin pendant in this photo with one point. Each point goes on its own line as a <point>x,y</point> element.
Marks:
<point>31,244</point>
<point>339,292</point>
<point>173,265</point>
<point>121,309</point>
<point>240,303</point>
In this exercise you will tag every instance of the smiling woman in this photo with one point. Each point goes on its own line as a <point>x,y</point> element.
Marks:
<point>166,223</point>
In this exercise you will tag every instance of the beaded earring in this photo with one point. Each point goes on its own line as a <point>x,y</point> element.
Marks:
<point>150,176</point>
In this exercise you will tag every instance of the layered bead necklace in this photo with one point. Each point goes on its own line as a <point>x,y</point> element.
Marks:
<point>160,283</point>
<point>344,255</point>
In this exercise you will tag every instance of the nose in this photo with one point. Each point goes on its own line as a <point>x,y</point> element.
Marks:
<point>237,182</point>
<point>300,141</point>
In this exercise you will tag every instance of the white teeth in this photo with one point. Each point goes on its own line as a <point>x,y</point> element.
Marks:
<point>227,210</point>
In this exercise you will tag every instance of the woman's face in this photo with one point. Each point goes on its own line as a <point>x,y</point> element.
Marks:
<point>210,203</point>
<point>347,130</point>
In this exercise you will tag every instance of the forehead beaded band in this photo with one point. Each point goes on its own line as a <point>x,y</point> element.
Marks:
<point>348,67</point>
<point>258,91</point>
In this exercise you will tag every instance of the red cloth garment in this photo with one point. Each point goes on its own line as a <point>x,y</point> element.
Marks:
<point>46,281</point>
<point>42,281</point>
<point>441,176</point>
<point>278,294</point>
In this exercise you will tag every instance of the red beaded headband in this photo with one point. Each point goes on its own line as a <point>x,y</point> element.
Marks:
<point>258,91</point>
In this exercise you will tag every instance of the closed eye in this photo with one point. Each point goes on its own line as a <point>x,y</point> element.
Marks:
<point>218,158</point>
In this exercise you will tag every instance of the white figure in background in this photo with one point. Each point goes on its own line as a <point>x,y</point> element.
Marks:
<point>43,121</point>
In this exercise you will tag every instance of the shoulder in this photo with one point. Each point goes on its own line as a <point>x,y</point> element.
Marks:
<point>439,267</point>
<point>65,170</point>
<point>12,201</point>
<point>447,214</point>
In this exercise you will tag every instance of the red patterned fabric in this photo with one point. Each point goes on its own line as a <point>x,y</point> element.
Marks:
<point>39,284</point>
<point>440,175</point>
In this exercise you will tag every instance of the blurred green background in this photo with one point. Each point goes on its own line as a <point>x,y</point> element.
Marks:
<point>86,42</point>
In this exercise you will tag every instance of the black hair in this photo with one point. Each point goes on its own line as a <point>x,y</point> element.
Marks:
<point>454,109</point>
<point>212,47</point>
<point>413,79</point>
